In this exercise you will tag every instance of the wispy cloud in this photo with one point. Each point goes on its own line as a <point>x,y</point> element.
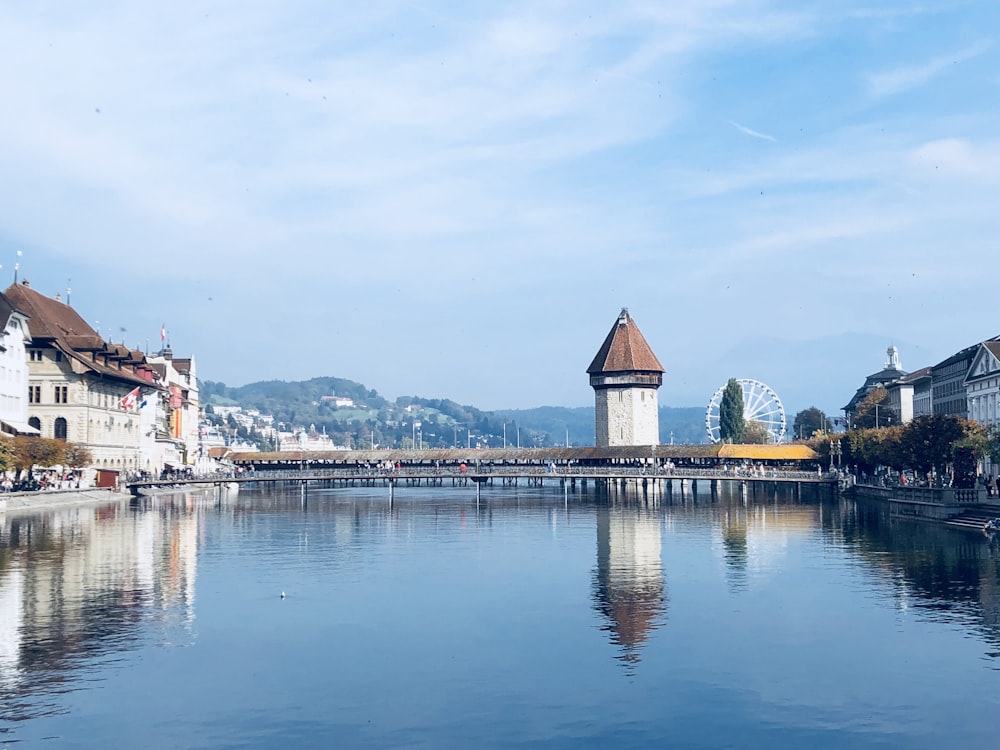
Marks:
<point>897,80</point>
<point>752,133</point>
<point>471,157</point>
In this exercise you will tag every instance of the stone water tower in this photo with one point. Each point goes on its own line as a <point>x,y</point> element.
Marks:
<point>625,375</point>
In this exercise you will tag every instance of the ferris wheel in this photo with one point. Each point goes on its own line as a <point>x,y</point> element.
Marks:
<point>760,404</point>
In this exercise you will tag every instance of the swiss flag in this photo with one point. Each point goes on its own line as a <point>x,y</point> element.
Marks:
<point>129,399</point>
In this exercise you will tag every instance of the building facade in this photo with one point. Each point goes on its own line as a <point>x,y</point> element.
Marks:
<point>82,389</point>
<point>180,409</point>
<point>982,385</point>
<point>14,340</point>
<point>625,376</point>
<point>948,382</point>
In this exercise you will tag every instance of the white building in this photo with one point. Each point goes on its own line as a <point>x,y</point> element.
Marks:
<point>14,337</point>
<point>182,405</point>
<point>982,384</point>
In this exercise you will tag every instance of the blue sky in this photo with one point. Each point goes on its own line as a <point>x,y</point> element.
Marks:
<point>455,200</point>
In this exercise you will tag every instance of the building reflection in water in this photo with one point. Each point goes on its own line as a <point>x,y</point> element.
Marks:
<point>628,585</point>
<point>76,583</point>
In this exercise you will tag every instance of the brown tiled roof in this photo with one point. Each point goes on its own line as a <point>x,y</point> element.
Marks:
<point>994,347</point>
<point>55,323</point>
<point>625,350</point>
<point>47,317</point>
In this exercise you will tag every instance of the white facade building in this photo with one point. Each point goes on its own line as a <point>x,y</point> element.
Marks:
<point>14,338</point>
<point>982,384</point>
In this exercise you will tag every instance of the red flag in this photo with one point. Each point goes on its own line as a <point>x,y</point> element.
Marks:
<point>129,399</point>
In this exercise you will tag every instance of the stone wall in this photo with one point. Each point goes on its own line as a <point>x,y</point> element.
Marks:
<point>626,416</point>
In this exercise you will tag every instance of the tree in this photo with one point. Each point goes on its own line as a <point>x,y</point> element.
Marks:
<point>874,409</point>
<point>810,421</point>
<point>7,455</point>
<point>37,451</point>
<point>77,456</point>
<point>928,442</point>
<point>731,413</point>
<point>756,433</point>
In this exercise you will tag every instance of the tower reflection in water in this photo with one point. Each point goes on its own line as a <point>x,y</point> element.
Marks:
<point>628,586</point>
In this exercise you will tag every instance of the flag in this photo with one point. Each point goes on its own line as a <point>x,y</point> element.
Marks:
<point>163,332</point>
<point>129,399</point>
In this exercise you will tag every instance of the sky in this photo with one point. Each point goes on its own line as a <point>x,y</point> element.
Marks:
<point>455,200</point>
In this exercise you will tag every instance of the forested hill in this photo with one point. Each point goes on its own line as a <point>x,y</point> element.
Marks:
<point>434,422</point>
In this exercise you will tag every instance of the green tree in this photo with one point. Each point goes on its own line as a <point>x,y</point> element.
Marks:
<point>7,454</point>
<point>810,421</point>
<point>731,413</point>
<point>928,442</point>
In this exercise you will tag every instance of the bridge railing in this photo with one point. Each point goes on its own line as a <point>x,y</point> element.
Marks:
<point>556,471</point>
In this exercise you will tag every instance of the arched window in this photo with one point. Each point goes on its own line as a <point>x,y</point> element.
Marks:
<point>60,428</point>
<point>35,422</point>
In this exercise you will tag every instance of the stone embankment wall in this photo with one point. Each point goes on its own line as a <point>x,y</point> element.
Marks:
<point>15,502</point>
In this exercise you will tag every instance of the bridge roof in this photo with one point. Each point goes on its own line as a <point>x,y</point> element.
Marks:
<point>625,350</point>
<point>787,452</point>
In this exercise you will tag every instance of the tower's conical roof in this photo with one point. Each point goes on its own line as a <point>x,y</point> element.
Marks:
<point>625,350</point>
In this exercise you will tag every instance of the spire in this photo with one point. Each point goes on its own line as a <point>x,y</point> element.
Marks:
<point>625,350</point>
<point>892,358</point>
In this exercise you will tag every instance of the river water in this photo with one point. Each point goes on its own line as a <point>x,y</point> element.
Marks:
<point>533,617</point>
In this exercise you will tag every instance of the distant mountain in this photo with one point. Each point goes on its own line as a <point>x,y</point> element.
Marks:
<point>684,425</point>
<point>433,423</point>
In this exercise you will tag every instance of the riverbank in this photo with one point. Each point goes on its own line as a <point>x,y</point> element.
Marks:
<point>943,504</point>
<point>28,502</point>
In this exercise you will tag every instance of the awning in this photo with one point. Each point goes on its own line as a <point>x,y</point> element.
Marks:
<point>18,428</point>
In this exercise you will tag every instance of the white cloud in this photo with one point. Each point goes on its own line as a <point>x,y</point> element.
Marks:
<point>551,159</point>
<point>897,80</point>
<point>957,158</point>
<point>752,133</point>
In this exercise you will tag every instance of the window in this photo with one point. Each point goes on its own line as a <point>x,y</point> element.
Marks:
<point>36,423</point>
<point>35,355</point>
<point>34,394</point>
<point>60,429</point>
<point>62,394</point>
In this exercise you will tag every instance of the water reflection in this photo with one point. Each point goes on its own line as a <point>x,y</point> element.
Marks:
<point>945,574</point>
<point>434,590</point>
<point>628,586</point>
<point>76,586</point>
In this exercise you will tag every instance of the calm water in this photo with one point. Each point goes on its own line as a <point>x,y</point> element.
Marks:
<point>535,619</point>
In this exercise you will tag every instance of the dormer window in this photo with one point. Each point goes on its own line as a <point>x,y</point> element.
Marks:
<point>35,355</point>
